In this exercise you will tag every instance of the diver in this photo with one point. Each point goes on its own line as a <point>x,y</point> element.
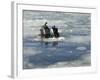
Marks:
<point>47,30</point>
<point>55,32</point>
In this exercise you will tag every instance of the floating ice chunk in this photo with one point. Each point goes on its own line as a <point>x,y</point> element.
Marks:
<point>53,48</point>
<point>70,51</point>
<point>81,48</point>
<point>71,30</point>
<point>50,39</point>
<point>37,39</point>
<point>61,38</point>
<point>49,55</point>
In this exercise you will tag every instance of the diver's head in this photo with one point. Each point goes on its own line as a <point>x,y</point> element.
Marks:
<point>54,26</point>
<point>46,23</point>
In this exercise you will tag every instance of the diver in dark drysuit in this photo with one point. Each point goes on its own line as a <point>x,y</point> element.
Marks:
<point>55,31</point>
<point>47,30</point>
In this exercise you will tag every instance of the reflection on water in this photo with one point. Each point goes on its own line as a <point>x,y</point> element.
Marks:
<point>55,43</point>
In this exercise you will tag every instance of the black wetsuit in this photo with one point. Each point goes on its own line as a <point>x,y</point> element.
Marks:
<point>47,32</point>
<point>55,31</point>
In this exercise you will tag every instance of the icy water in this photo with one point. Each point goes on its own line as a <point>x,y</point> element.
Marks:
<point>73,51</point>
